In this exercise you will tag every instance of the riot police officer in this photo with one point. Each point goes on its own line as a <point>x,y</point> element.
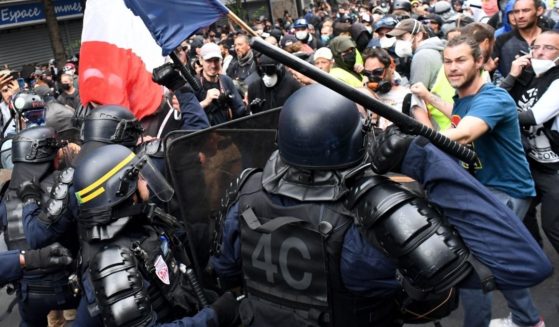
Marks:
<point>39,291</point>
<point>30,111</point>
<point>134,270</point>
<point>311,235</point>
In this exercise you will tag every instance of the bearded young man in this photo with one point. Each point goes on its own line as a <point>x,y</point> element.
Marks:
<point>486,117</point>
<point>517,42</point>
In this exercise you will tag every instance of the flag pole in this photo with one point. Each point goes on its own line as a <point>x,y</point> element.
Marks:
<point>232,16</point>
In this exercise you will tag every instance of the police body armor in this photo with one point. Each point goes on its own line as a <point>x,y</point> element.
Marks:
<point>430,255</point>
<point>120,267</point>
<point>39,287</point>
<point>291,259</point>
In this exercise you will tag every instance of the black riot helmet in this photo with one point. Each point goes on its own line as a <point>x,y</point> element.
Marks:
<point>35,145</point>
<point>105,179</point>
<point>30,107</point>
<point>320,129</point>
<point>111,124</point>
<point>106,176</point>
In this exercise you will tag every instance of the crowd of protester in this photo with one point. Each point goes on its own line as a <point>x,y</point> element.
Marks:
<point>452,66</point>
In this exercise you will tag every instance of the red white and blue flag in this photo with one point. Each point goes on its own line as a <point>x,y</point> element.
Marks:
<point>119,48</point>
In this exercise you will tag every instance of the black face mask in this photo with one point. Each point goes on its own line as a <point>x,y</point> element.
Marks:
<point>65,87</point>
<point>349,59</point>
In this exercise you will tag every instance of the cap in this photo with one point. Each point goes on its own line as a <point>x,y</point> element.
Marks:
<point>409,25</point>
<point>324,52</point>
<point>209,51</point>
<point>287,40</point>
<point>341,43</point>
<point>68,66</point>
<point>441,7</point>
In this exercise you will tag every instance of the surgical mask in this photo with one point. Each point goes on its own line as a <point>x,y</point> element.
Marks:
<point>325,38</point>
<point>270,80</point>
<point>541,66</point>
<point>301,35</point>
<point>387,42</point>
<point>403,48</point>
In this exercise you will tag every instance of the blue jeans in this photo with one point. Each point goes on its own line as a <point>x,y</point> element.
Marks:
<point>477,306</point>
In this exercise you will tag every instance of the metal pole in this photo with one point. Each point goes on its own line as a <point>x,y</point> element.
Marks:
<point>406,123</point>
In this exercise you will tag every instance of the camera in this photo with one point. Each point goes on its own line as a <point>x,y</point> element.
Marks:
<point>168,76</point>
<point>224,99</point>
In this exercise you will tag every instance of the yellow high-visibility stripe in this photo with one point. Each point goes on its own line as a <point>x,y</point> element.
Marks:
<point>91,196</point>
<point>105,177</point>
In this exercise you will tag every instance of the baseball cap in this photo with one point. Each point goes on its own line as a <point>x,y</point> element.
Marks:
<point>409,25</point>
<point>441,7</point>
<point>324,52</point>
<point>210,50</point>
<point>341,44</point>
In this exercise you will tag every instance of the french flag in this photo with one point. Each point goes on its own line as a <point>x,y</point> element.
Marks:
<point>118,51</point>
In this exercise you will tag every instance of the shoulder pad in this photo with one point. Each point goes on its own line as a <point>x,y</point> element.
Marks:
<point>227,200</point>
<point>375,196</point>
<point>362,187</point>
<point>119,288</point>
<point>57,203</point>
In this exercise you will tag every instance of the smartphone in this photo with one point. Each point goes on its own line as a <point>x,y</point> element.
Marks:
<point>21,83</point>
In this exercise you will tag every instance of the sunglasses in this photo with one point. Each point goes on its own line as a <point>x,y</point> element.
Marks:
<point>375,72</point>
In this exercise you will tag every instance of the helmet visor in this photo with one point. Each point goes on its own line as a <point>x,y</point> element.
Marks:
<point>157,184</point>
<point>34,117</point>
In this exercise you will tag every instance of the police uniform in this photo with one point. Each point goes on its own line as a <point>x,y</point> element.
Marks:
<point>134,270</point>
<point>39,292</point>
<point>316,239</point>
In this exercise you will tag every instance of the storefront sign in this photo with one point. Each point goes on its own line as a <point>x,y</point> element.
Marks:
<point>33,13</point>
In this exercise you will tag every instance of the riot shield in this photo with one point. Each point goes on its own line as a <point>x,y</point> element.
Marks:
<point>202,164</point>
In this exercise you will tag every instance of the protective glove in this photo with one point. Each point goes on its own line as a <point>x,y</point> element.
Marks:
<point>29,190</point>
<point>54,255</point>
<point>227,309</point>
<point>168,76</point>
<point>389,150</point>
<point>256,105</point>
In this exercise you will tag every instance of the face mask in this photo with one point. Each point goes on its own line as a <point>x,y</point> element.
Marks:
<point>349,59</point>
<point>387,42</point>
<point>403,48</point>
<point>270,80</point>
<point>325,38</point>
<point>541,66</point>
<point>65,87</point>
<point>301,35</point>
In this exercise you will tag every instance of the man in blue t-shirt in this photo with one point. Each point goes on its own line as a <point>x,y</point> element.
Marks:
<point>486,117</point>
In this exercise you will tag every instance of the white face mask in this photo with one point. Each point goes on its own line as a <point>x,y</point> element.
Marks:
<point>387,42</point>
<point>403,48</point>
<point>301,35</point>
<point>270,80</point>
<point>541,66</point>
